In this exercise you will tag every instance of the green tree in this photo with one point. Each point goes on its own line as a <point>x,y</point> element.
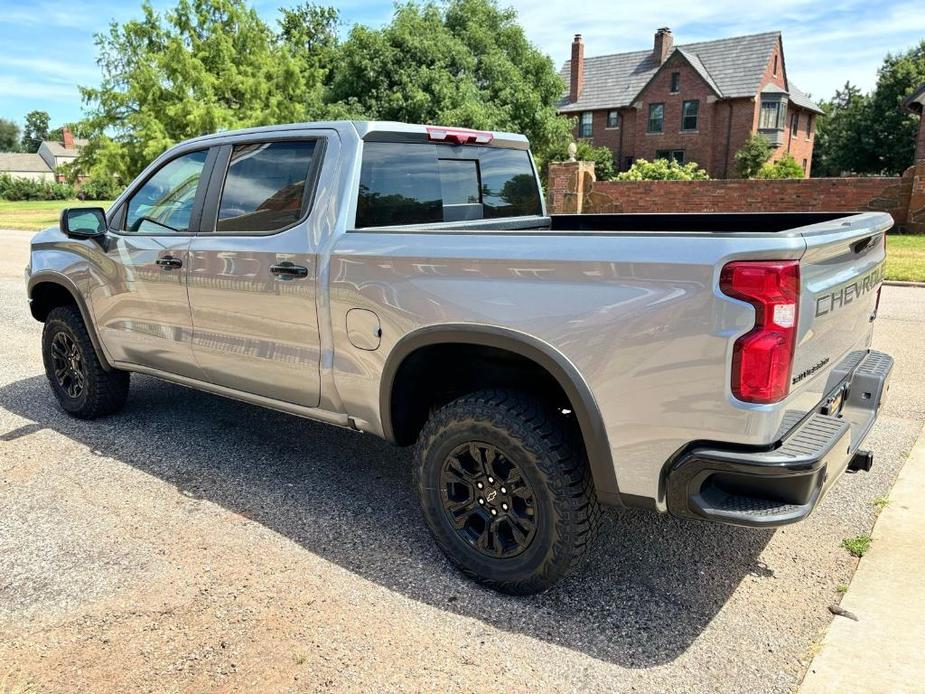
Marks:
<point>9,135</point>
<point>204,66</point>
<point>465,63</point>
<point>785,167</point>
<point>34,131</point>
<point>871,133</point>
<point>663,170</point>
<point>841,142</point>
<point>752,155</point>
<point>892,129</point>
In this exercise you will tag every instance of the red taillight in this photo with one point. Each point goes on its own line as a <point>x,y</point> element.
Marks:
<point>460,136</point>
<point>762,359</point>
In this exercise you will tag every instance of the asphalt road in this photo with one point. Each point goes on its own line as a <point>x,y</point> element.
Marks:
<point>194,543</point>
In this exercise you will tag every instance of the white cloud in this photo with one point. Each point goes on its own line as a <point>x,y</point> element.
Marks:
<point>53,70</point>
<point>24,88</point>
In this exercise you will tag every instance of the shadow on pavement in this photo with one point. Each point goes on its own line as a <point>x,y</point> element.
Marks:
<point>649,589</point>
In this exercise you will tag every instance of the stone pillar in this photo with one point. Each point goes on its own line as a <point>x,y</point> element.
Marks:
<point>569,182</point>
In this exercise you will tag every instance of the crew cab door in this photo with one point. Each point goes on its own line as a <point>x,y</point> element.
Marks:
<point>253,270</point>
<point>138,282</point>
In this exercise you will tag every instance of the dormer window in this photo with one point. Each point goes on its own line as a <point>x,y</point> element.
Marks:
<point>675,82</point>
<point>775,64</point>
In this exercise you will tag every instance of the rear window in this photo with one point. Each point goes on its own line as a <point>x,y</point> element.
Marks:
<point>427,183</point>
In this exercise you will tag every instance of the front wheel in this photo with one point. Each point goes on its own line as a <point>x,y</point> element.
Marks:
<point>77,378</point>
<point>506,491</point>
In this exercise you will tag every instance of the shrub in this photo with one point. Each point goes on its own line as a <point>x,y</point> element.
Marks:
<point>752,156</point>
<point>99,188</point>
<point>785,167</point>
<point>601,156</point>
<point>26,189</point>
<point>663,170</point>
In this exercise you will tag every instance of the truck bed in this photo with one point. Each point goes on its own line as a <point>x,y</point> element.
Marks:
<point>700,222</point>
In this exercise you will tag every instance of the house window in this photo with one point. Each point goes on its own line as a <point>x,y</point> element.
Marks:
<point>689,112</point>
<point>676,154</point>
<point>794,124</point>
<point>656,118</point>
<point>675,82</point>
<point>775,64</point>
<point>772,115</point>
<point>613,119</point>
<point>804,166</point>
<point>811,121</point>
<point>585,128</point>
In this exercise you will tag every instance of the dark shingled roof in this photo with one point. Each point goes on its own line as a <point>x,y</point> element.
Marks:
<point>732,67</point>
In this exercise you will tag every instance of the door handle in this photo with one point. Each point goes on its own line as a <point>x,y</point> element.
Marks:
<point>288,271</point>
<point>168,262</point>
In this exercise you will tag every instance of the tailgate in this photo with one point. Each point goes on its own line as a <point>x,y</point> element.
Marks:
<point>840,277</point>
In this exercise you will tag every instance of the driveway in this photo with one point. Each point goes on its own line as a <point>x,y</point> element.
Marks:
<point>195,543</point>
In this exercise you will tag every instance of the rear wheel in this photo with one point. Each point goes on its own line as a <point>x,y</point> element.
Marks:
<point>506,491</point>
<point>77,378</point>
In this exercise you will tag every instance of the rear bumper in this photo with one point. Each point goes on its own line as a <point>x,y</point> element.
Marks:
<point>782,483</point>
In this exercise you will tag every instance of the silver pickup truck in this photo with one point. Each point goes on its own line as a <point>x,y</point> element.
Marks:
<point>405,281</point>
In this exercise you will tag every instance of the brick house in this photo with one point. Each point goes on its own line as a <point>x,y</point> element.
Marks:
<point>697,102</point>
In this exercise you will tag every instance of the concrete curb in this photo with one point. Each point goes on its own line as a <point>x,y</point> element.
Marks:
<point>882,651</point>
<point>901,283</point>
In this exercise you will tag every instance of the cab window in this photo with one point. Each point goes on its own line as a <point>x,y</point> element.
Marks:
<point>265,186</point>
<point>164,203</point>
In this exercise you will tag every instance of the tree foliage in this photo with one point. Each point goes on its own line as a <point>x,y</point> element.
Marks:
<point>204,66</point>
<point>752,155</point>
<point>839,132</point>
<point>209,65</point>
<point>871,133</point>
<point>9,135</point>
<point>663,170</point>
<point>466,62</point>
<point>602,157</point>
<point>785,167</point>
<point>34,131</point>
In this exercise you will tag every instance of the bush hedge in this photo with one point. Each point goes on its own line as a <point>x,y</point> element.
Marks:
<point>26,189</point>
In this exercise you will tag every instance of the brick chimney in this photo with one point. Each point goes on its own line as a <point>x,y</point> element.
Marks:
<point>663,43</point>
<point>67,137</point>
<point>577,77</point>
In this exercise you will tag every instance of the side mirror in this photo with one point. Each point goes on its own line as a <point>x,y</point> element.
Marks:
<point>83,222</point>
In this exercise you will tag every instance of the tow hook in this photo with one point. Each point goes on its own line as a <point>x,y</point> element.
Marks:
<point>861,460</point>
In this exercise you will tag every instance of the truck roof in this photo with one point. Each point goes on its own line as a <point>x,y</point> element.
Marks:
<point>373,130</point>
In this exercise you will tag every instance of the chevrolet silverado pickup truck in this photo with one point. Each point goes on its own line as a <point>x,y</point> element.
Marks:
<point>406,281</point>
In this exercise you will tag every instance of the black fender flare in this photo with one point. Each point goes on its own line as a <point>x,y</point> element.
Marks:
<point>541,353</point>
<point>67,284</point>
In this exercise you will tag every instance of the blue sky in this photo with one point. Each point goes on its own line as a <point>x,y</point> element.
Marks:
<point>47,49</point>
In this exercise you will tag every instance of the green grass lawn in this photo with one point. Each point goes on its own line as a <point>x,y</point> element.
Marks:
<point>905,258</point>
<point>33,215</point>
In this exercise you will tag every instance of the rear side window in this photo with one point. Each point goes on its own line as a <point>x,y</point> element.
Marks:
<point>428,183</point>
<point>265,186</point>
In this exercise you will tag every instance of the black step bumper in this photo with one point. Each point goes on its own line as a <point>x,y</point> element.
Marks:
<point>782,483</point>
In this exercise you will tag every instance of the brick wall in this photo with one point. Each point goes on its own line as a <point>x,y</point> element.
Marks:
<point>902,196</point>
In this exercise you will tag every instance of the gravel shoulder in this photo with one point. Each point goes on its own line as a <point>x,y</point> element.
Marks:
<point>194,543</point>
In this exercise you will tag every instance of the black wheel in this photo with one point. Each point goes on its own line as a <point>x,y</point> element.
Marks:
<point>83,388</point>
<point>506,490</point>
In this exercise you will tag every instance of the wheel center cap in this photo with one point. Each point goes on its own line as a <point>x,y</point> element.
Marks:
<point>491,495</point>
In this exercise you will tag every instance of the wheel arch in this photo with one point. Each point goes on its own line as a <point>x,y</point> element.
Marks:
<point>48,290</point>
<point>541,354</point>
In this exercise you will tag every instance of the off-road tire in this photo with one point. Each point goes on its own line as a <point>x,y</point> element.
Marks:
<point>546,447</point>
<point>103,392</point>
